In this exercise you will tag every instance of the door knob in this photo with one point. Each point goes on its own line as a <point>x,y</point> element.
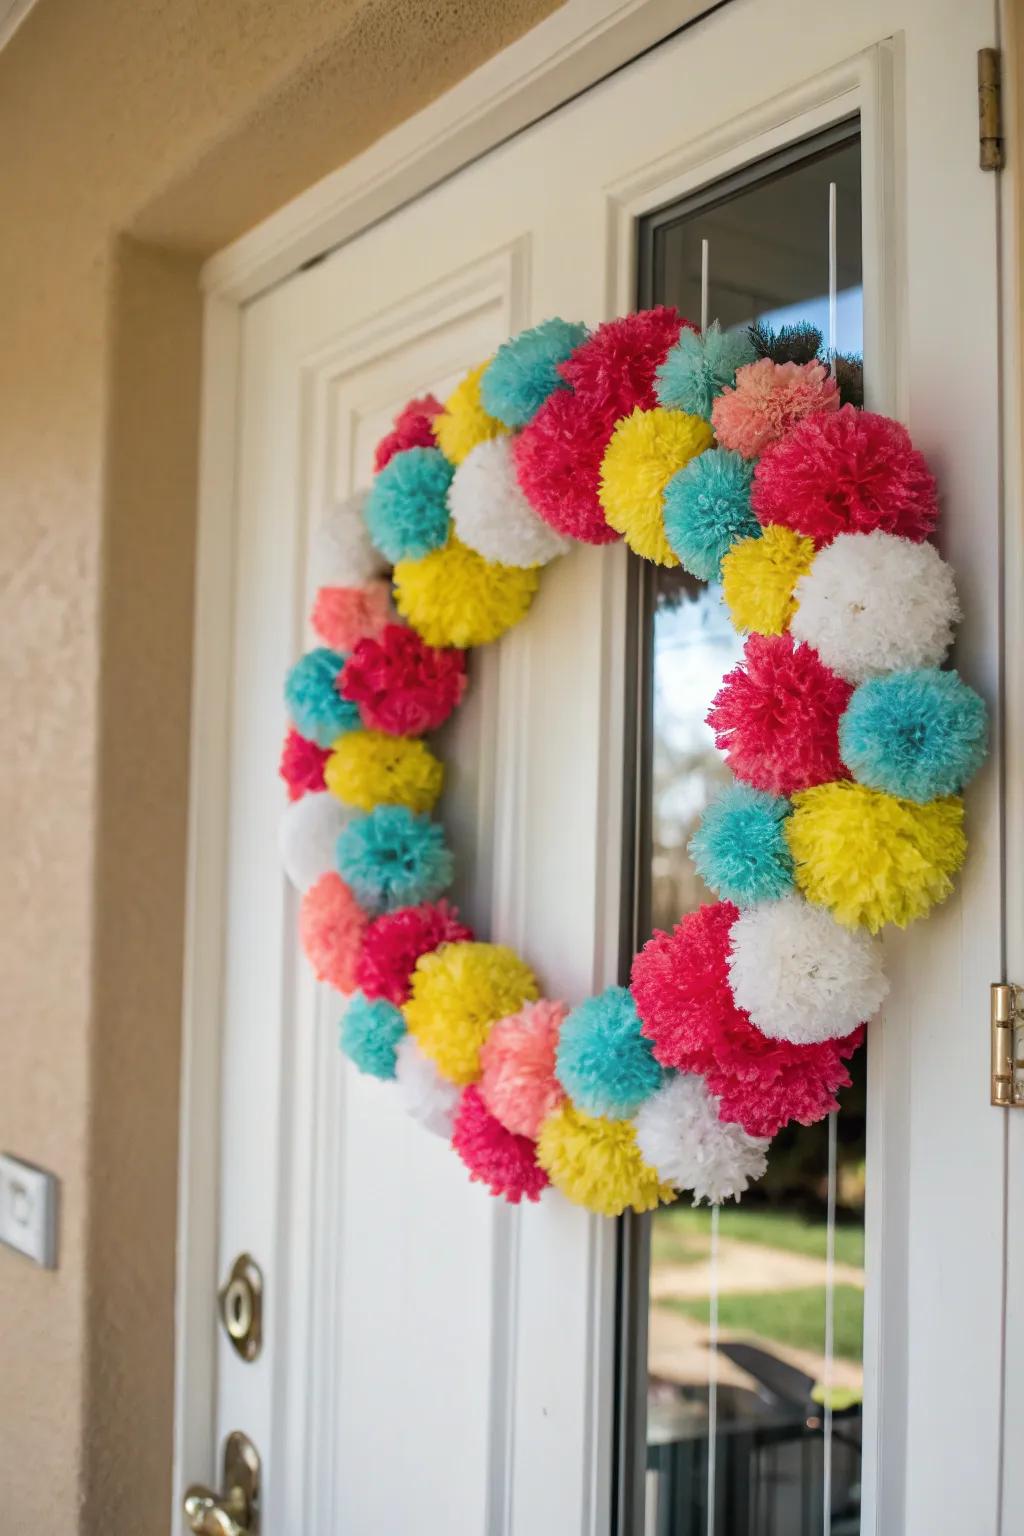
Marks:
<point>236,1511</point>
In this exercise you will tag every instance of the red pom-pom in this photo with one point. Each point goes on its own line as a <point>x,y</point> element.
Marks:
<point>393,944</point>
<point>680,984</point>
<point>402,685</point>
<point>342,616</point>
<point>613,371</point>
<point>413,428</point>
<point>505,1162</point>
<point>331,928</point>
<point>558,465</point>
<point>302,765</point>
<point>776,716</point>
<point>848,472</point>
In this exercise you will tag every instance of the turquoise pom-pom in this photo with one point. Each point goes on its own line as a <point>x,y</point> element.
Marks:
<point>740,847</point>
<point>698,368</point>
<point>707,509</point>
<point>916,734</point>
<point>317,709</point>
<point>407,508</point>
<point>524,371</point>
<point>603,1062</point>
<point>393,858</point>
<point>370,1031</point>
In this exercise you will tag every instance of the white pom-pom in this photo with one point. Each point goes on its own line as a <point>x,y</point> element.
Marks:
<point>428,1097</point>
<point>800,976</point>
<point>492,516</point>
<point>679,1133</point>
<point>874,603</point>
<point>307,837</point>
<point>341,554</point>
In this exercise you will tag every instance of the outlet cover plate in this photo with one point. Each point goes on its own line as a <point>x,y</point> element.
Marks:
<point>28,1210</point>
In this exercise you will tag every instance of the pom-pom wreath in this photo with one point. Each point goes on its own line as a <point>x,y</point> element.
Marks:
<point>524,371</point>
<point>455,597</point>
<point>369,768</point>
<point>457,994</point>
<point>464,422</point>
<point>302,764</point>
<point>614,371</point>
<point>491,515</point>
<point>407,511</point>
<point>518,1081</point>
<point>740,847</point>
<point>393,859</point>
<point>341,552</point>
<point>699,367</point>
<point>680,983</point>
<point>603,1061</point>
<point>505,1162</point>
<point>307,836</point>
<point>394,942</point>
<point>428,1097</point>
<point>401,685</point>
<point>646,449</point>
<point>313,701</point>
<point>707,508</point>
<point>413,428</point>
<point>872,603</point>
<point>776,717</point>
<point>370,1031</point>
<point>331,928</point>
<point>679,1133</point>
<point>767,400</point>
<point>800,976</point>
<point>597,1164</point>
<point>848,472</point>
<point>872,859</point>
<point>342,616</point>
<point>558,465</point>
<point>759,576</point>
<point>916,734</point>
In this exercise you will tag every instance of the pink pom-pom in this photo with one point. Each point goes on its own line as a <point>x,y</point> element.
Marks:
<point>342,616</point>
<point>558,465</point>
<point>413,428</point>
<point>393,944</point>
<point>767,400</point>
<point>506,1163</point>
<point>776,716</point>
<point>518,1081</point>
<point>331,928</point>
<point>613,371</point>
<point>403,685</point>
<point>850,472</point>
<point>680,984</point>
<point>302,765</point>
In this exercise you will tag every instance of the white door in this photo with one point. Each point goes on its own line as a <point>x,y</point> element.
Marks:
<point>432,1360</point>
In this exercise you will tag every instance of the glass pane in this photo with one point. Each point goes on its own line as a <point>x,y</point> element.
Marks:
<point>768,261</point>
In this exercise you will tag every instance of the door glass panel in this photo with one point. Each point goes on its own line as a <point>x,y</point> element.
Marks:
<point>752,1426</point>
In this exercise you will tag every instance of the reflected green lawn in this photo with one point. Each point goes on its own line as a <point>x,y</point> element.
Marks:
<point>682,1235</point>
<point>793,1318</point>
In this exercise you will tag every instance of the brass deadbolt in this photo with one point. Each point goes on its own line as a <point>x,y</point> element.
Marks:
<point>241,1307</point>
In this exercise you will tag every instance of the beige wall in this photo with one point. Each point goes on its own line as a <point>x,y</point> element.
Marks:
<point>136,136</point>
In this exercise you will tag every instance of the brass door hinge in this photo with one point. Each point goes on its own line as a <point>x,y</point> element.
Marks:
<point>1007,1019</point>
<point>990,110</point>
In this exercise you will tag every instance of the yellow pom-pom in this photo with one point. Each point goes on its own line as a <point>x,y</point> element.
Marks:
<point>597,1163</point>
<point>455,597</point>
<point>458,991</point>
<point>871,858</point>
<point>368,768</point>
<point>644,452</point>
<point>463,423</point>
<point>759,575</point>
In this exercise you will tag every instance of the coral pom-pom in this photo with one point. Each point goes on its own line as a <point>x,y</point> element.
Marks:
<point>370,1032</point>
<point>302,764</point>
<point>307,836</point>
<point>679,1133</point>
<point>464,422</point>
<point>916,734</point>
<point>413,428</point>
<point>848,472</point>
<point>614,371</point>
<point>776,717</point>
<point>393,859</point>
<point>368,768</point>
<point>407,510</point>
<point>603,1061</point>
<point>872,859</point>
<point>759,576</point>
<point>455,597</point>
<point>457,994</point>
<point>740,847</point>
<point>342,616</point>
<point>524,371</point>
<point>401,685</point>
<point>518,1079</point>
<point>428,1098</point>
<point>491,515</point>
<point>395,941</point>
<point>699,367</point>
<point>558,465</point>
<point>707,508</point>
<point>313,700</point>
<point>505,1162</point>
<point>341,554</point>
<point>645,450</point>
<point>767,400</point>
<point>597,1164</point>
<point>331,928</point>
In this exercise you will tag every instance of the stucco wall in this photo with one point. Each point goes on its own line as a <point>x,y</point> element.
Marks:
<point>137,136</point>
